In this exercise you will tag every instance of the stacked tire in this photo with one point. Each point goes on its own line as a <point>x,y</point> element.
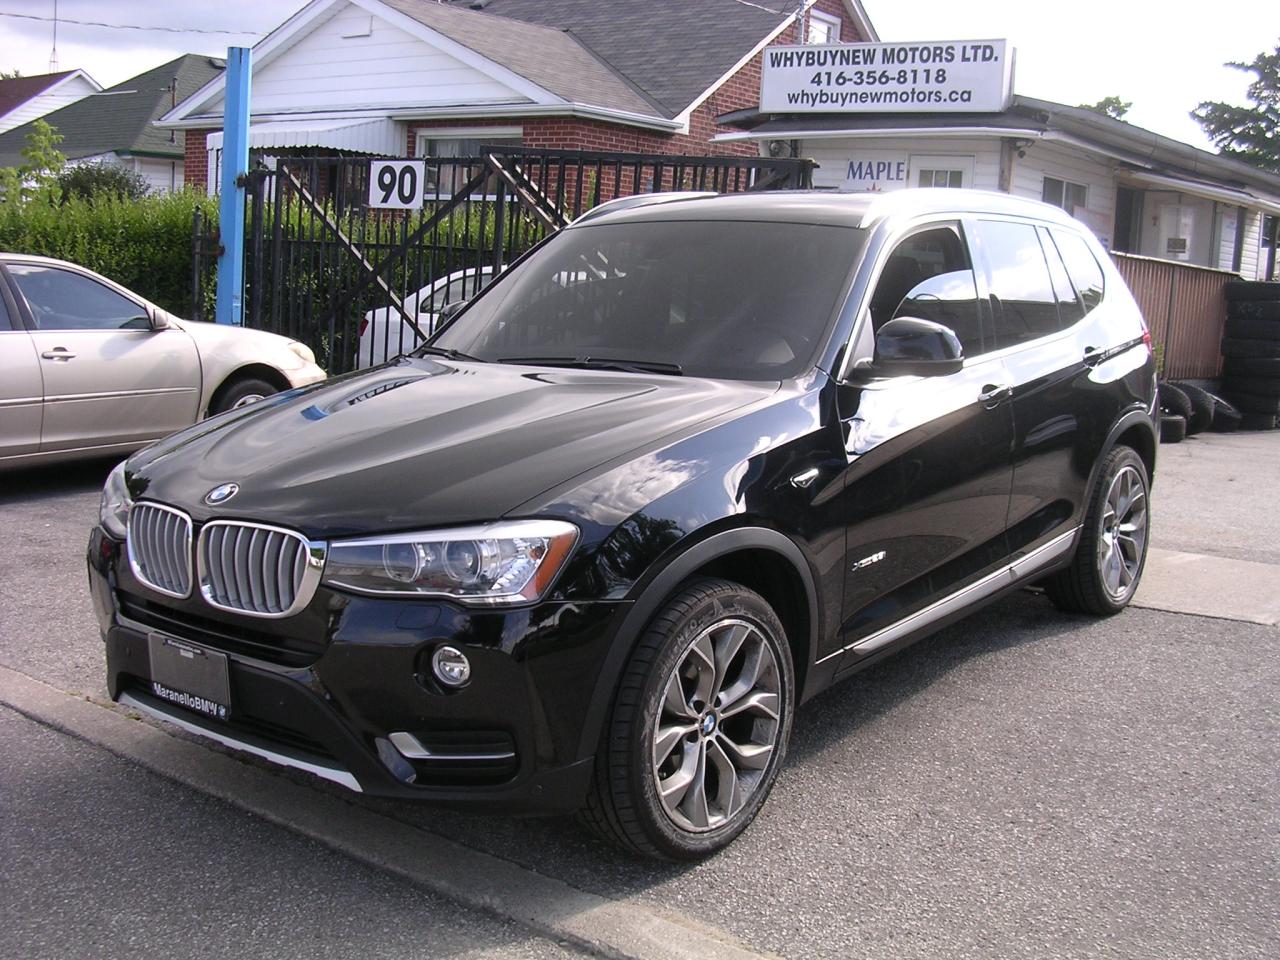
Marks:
<point>1251,353</point>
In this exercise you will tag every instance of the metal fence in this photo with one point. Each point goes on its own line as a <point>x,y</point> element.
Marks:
<point>1186,309</point>
<point>358,284</point>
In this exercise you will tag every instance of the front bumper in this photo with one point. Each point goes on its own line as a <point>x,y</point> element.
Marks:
<point>323,691</point>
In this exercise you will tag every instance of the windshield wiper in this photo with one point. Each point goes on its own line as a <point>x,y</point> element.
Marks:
<point>450,354</point>
<point>600,363</point>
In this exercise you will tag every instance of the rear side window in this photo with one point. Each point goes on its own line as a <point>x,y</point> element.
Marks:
<point>1023,302</point>
<point>1069,307</point>
<point>1086,274</point>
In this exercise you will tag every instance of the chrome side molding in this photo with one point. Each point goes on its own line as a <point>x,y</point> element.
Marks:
<point>994,582</point>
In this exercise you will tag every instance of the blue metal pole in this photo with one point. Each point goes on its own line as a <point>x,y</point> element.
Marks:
<point>235,164</point>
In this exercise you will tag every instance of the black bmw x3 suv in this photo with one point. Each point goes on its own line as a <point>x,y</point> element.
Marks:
<point>681,467</point>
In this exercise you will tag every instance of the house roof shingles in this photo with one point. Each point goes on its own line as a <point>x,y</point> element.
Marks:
<point>120,118</point>
<point>669,51</point>
<point>549,57</point>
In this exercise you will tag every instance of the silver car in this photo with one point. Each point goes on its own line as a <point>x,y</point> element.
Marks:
<point>89,368</point>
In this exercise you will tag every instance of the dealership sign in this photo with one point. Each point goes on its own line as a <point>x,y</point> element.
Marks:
<point>951,76</point>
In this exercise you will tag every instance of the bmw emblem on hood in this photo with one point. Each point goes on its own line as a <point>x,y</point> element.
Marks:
<point>222,493</point>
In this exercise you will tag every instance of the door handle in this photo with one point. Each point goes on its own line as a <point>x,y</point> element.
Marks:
<point>993,393</point>
<point>1093,356</point>
<point>58,353</point>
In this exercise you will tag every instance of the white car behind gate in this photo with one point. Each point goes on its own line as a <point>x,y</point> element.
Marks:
<point>385,334</point>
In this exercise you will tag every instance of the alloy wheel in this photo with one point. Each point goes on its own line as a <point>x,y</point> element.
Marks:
<point>717,726</point>
<point>1123,535</point>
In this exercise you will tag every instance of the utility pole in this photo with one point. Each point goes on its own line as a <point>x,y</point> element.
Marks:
<point>801,7</point>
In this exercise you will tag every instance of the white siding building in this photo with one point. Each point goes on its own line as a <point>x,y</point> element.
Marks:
<point>1139,192</point>
<point>23,99</point>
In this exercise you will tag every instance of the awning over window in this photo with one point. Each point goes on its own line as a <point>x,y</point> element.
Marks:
<point>1209,191</point>
<point>380,136</point>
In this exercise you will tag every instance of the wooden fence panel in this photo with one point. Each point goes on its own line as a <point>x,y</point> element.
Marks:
<point>1186,309</point>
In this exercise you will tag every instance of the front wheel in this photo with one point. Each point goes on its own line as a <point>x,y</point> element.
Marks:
<point>241,393</point>
<point>1112,551</point>
<point>699,727</point>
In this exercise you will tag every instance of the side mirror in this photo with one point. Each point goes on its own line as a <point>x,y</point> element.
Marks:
<point>159,321</point>
<point>909,345</point>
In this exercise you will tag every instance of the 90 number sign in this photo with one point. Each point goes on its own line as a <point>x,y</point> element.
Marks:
<point>397,184</point>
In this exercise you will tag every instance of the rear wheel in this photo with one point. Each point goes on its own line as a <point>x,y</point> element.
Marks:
<point>1107,566</point>
<point>699,728</point>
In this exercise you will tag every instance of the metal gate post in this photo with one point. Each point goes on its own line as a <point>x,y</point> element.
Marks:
<point>235,164</point>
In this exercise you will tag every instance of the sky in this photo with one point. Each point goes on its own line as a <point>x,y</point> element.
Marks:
<point>1164,56</point>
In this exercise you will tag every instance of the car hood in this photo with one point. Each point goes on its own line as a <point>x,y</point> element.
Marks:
<point>422,443</point>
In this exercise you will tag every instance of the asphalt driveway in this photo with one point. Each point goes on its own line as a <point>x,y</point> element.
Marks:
<point>1023,784</point>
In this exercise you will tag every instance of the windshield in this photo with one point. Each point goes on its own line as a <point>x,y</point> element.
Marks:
<point>731,299</point>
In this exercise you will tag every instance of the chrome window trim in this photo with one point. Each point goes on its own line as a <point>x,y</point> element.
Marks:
<point>133,560</point>
<point>315,552</point>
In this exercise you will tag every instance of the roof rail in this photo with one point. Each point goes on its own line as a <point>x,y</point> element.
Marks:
<point>641,200</point>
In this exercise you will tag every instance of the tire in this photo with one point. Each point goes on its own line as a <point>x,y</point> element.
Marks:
<point>1262,386</point>
<point>1258,421</point>
<point>1251,367</point>
<point>1253,402</point>
<point>1173,400</point>
<point>1255,310</point>
<point>625,805</point>
<point>1252,290</point>
<point>1091,584</point>
<point>1249,349</point>
<point>1201,418</point>
<point>1248,328</point>
<point>241,392</point>
<point>1226,418</point>
<point>1173,428</point>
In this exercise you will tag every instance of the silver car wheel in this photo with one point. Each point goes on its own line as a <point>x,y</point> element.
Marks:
<point>1122,537</point>
<point>247,399</point>
<point>717,725</point>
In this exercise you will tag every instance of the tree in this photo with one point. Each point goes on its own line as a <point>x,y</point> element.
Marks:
<point>1112,107</point>
<point>43,161</point>
<point>1250,133</point>
<point>89,180</point>
<point>10,74</point>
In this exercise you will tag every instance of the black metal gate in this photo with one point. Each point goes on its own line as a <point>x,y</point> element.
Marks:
<point>358,284</point>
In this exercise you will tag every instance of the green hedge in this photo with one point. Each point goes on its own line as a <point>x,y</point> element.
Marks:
<point>142,244</point>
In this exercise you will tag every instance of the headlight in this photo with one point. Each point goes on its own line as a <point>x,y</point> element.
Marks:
<point>302,351</point>
<point>512,562</point>
<point>114,510</point>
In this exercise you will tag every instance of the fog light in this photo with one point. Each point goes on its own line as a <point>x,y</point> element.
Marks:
<point>451,666</point>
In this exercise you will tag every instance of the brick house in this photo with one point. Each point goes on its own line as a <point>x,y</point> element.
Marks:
<point>420,78</point>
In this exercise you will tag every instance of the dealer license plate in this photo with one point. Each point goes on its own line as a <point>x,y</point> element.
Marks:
<point>190,676</point>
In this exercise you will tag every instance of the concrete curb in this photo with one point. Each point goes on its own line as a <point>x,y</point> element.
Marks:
<point>602,927</point>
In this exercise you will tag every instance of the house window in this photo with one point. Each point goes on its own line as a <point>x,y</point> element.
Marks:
<point>1065,194</point>
<point>926,170</point>
<point>823,27</point>
<point>1268,230</point>
<point>448,144</point>
<point>940,178</point>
